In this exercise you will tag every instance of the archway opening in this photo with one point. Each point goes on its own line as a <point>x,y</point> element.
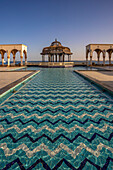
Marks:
<point>101,57</point>
<point>107,58</point>
<point>94,58</point>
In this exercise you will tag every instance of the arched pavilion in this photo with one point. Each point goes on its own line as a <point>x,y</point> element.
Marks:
<point>13,48</point>
<point>99,48</point>
<point>56,52</point>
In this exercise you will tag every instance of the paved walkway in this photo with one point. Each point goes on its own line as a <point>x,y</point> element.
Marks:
<point>10,68</point>
<point>10,79</point>
<point>104,78</point>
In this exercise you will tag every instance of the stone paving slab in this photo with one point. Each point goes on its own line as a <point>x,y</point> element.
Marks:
<point>10,79</point>
<point>10,68</point>
<point>104,78</point>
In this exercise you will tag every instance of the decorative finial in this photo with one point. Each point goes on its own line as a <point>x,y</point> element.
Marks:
<point>55,39</point>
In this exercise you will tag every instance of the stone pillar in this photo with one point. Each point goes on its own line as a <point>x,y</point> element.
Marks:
<point>103,57</point>
<point>91,60</point>
<point>14,59</point>
<point>87,58</point>
<point>8,58</point>
<point>21,60</point>
<point>109,58</point>
<point>91,57</point>
<point>70,58</point>
<point>25,58</point>
<point>2,55</point>
<point>63,57</point>
<point>21,57</point>
<point>56,57</point>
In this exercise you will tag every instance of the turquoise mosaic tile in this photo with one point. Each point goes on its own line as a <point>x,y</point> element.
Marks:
<point>57,120</point>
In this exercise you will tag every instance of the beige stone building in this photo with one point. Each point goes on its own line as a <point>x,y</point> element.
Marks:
<point>13,48</point>
<point>99,48</point>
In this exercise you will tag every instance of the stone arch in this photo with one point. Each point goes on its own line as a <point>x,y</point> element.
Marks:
<point>2,52</point>
<point>110,54</point>
<point>25,56</point>
<point>13,52</point>
<point>98,51</point>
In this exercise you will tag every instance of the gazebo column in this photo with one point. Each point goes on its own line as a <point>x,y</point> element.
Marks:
<point>68,58</point>
<point>103,57</point>
<point>59,58</point>
<point>63,57</point>
<point>56,57</point>
<point>53,58</point>
<point>49,57</point>
<point>110,58</point>
<point>43,58</point>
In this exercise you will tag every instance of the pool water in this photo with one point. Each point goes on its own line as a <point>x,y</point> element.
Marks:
<point>57,120</point>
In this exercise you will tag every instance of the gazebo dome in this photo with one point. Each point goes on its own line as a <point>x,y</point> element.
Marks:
<point>56,49</point>
<point>55,43</point>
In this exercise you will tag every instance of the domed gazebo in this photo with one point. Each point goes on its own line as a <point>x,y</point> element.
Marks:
<point>56,52</point>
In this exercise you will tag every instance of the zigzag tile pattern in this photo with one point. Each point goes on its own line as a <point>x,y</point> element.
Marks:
<point>57,120</point>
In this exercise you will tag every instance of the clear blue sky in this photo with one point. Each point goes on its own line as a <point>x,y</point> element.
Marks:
<point>75,23</point>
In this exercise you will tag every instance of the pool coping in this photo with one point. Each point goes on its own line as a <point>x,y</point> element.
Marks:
<point>10,87</point>
<point>94,81</point>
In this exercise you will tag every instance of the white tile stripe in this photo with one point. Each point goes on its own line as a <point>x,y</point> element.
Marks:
<point>55,107</point>
<point>51,153</point>
<point>58,115</point>
<point>35,130</point>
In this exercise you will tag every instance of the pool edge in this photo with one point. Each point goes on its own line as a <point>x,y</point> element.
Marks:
<point>18,84</point>
<point>94,81</point>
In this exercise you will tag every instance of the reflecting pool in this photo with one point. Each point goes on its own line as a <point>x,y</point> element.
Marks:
<point>57,120</point>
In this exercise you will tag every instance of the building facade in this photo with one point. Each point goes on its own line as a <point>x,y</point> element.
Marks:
<point>13,48</point>
<point>56,52</point>
<point>99,48</point>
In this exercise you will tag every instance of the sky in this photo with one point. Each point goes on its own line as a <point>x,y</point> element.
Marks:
<point>75,23</point>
